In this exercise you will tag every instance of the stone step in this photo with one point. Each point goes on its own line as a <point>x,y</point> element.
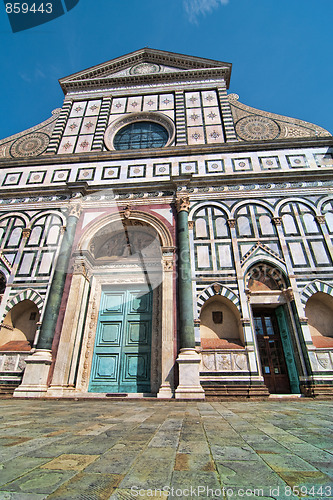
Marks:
<point>7,389</point>
<point>228,390</point>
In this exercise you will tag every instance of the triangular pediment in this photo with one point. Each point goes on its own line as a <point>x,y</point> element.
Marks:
<point>259,250</point>
<point>146,66</point>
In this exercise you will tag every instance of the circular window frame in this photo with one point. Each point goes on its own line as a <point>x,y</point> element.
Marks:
<point>122,122</point>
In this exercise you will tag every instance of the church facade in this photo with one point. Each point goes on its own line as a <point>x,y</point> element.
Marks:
<point>159,238</point>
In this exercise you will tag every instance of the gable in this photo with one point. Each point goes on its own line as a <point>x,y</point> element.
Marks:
<point>146,66</point>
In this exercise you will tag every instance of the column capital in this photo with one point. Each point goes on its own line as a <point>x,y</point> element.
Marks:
<point>232,223</point>
<point>320,219</point>
<point>183,204</point>
<point>277,221</point>
<point>26,232</point>
<point>74,210</point>
<point>289,294</point>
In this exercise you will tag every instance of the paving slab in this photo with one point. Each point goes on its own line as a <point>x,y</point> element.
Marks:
<point>165,449</point>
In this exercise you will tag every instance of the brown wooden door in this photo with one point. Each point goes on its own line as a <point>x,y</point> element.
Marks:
<point>271,352</point>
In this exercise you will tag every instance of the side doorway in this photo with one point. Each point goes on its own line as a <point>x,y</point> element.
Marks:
<point>273,363</point>
<point>122,352</point>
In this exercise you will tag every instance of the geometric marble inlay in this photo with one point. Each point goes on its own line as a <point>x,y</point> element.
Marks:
<point>36,177</point>
<point>214,166</point>
<point>111,173</point>
<point>60,175</point>
<point>30,145</point>
<point>257,128</point>
<point>85,174</point>
<point>297,161</point>
<point>189,167</point>
<point>12,179</point>
<point>241,164</point>
<point>162,169</point>
<point>269,163</point>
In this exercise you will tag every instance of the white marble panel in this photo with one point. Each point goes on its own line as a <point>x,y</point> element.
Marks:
<point>297,253</point>
<point>209,98</point>
<point>89,125</point>
<point>134,104</point>
<point>150,103</point>
<point>170,114</point>
<point>212,116</point>
<point>26,263</point>
<point>86,174</point>
<point>297,161</point>
<point>84,143</point>
<point>166,101</point>
<point>195,135</point>
<point>223,362</point>
<point>118,105</point>
<point>46,263</point>
<point>194,117</point>
<point>93,108</point>
<point>224,255</point>
<point>78,108</point>
<point>88,217</point>
<point>320,253</point>
<point>214,134</point>
<point>73,126</point>
<point>188,167</point>
<point>67,145</point>
<point>208,362</point>
<point>192,99</point>
<point>203,256</point>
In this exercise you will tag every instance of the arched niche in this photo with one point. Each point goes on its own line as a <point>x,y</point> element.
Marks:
<point>19,326</point>
<point>220,325</point>
<point>319,311</point>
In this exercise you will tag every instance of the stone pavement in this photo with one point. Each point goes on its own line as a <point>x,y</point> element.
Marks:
<point>102,449</point>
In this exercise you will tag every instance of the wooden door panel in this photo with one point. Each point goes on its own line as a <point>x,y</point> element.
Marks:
<point>121,361</point>
<point>271,352</point>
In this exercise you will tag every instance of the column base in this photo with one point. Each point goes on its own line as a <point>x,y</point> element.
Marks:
<point>165,392</point>
<point>189,381</point>
<point>34,382</point>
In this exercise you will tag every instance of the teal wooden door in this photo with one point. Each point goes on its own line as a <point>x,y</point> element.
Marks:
<point>121,360</point>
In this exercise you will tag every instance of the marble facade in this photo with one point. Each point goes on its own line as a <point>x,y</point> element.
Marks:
<point>225,230</point>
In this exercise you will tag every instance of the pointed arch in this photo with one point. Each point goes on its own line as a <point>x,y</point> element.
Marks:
<point>217,289</point>
<point>314,287</point>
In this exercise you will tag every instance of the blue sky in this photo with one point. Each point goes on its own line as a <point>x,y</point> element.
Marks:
<point>280,51</point>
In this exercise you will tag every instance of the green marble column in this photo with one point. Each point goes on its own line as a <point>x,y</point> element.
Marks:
<point>186,320</point>
<point>57,287</point>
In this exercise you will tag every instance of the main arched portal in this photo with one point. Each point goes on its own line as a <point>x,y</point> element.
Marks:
<point>123,269</point>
